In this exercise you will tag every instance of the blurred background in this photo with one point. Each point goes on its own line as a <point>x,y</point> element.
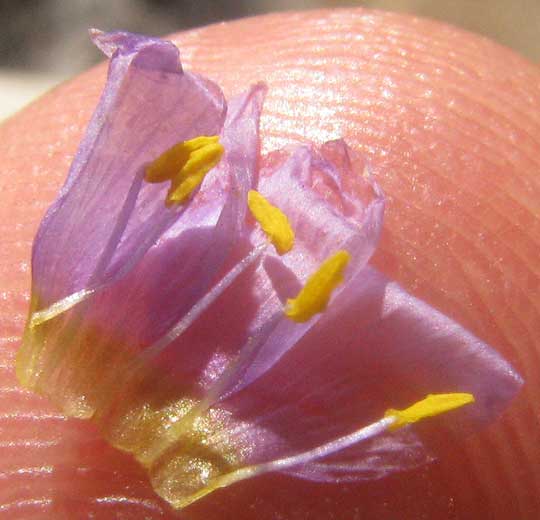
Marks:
<point>43,42</point>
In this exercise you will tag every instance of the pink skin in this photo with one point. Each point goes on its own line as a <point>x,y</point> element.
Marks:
<point>450,124</point>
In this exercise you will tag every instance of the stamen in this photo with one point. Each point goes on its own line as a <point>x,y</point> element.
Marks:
<point>433,404</point>
<point>393,419</point>
<point>314,296</point>
<point>185,165</point>
<point>273,221</point>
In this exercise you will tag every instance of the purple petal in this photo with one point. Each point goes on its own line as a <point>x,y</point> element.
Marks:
<point>106,217</point>
<point>326,213</point>
<point>376,347</point>
<point>238,170</point>
<point>302,187</point>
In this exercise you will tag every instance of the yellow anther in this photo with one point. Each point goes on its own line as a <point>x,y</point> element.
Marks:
<point>433,404</point>
<point>185,165</point>
<point>273,222</point>
<point>314,296</point>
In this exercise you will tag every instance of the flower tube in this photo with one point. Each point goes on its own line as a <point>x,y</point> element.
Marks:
<point>213,311</point>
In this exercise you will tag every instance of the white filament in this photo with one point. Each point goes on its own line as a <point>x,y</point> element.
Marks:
<point>59,307</point>
<point>202,305</point>
<point>329,448</point>
<point>321,451</point>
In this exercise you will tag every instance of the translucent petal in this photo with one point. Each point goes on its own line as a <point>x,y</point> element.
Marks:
<point>376,346</point>
<point>106,218</point>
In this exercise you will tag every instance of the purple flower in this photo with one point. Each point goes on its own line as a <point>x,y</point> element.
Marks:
<point>214,311</point>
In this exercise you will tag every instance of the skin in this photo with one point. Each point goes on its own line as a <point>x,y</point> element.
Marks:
<point>450,125</point>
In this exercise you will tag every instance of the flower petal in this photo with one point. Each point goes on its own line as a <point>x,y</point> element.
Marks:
<point>302,187</point>
<point>238,170</point>
<point>377,347</point>
<point>106,218</point>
